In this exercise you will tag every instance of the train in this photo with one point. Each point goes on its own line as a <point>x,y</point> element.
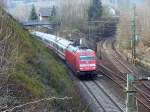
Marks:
<point>80,59</point>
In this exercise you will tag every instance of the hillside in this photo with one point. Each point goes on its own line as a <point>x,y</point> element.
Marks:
<point>30,72</point>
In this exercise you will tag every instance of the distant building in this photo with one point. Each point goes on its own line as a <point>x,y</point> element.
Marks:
<point>44,13</point>
<point>119,4</point>
<point>112,3</point>
<point>112,6</point>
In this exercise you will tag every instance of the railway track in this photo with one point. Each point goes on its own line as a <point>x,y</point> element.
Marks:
<point>100,98</point>
<point>142,90</point>
<point>103,100</point>
<point>120,77</point>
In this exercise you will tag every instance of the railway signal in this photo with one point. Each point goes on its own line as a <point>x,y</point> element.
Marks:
<point>131,102</point>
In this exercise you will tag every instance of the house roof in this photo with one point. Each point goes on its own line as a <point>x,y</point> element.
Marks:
<point>45,11</point>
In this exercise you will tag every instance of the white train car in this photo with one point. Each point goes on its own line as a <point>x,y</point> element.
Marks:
<point>56,43</point>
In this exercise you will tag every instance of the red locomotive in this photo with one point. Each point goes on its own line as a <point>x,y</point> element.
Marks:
<point>80,59</point>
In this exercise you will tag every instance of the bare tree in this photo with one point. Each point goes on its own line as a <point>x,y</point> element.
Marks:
<point>36,102</point>
<point>73,12</point>
<point>125,31</point>
<point>22,12</point>
<point>3,3</point>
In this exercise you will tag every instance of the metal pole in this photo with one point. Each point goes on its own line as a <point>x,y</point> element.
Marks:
<point>134,36</point>
<point>100,53</point>
<point>131,102</point>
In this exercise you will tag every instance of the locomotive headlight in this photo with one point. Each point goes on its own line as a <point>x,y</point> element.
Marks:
<point>83,65</point>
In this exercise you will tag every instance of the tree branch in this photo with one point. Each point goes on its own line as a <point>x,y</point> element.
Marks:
<point>37,101</point>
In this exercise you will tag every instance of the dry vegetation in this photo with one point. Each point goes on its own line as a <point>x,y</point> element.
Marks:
<point>143,13</point>
<point>124,30</point>
<point>72,13</point>
<point>142,28</point>
<point>22,12</point>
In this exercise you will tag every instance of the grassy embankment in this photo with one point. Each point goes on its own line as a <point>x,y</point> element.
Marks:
<point>36,72</point>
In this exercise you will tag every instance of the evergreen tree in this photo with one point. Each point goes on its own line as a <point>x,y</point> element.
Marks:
<point>95,10</point>
<point>33,14</point>
<point>53,13</point>
<point>52,16</point>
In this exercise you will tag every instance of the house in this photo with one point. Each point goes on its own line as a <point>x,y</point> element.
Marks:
<point>44,13</point>
<point>112,3</point>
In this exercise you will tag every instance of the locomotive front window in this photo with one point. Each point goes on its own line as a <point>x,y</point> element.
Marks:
<point>87,58</point>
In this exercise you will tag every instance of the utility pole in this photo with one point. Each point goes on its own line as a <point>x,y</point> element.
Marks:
<point>134,36</point>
